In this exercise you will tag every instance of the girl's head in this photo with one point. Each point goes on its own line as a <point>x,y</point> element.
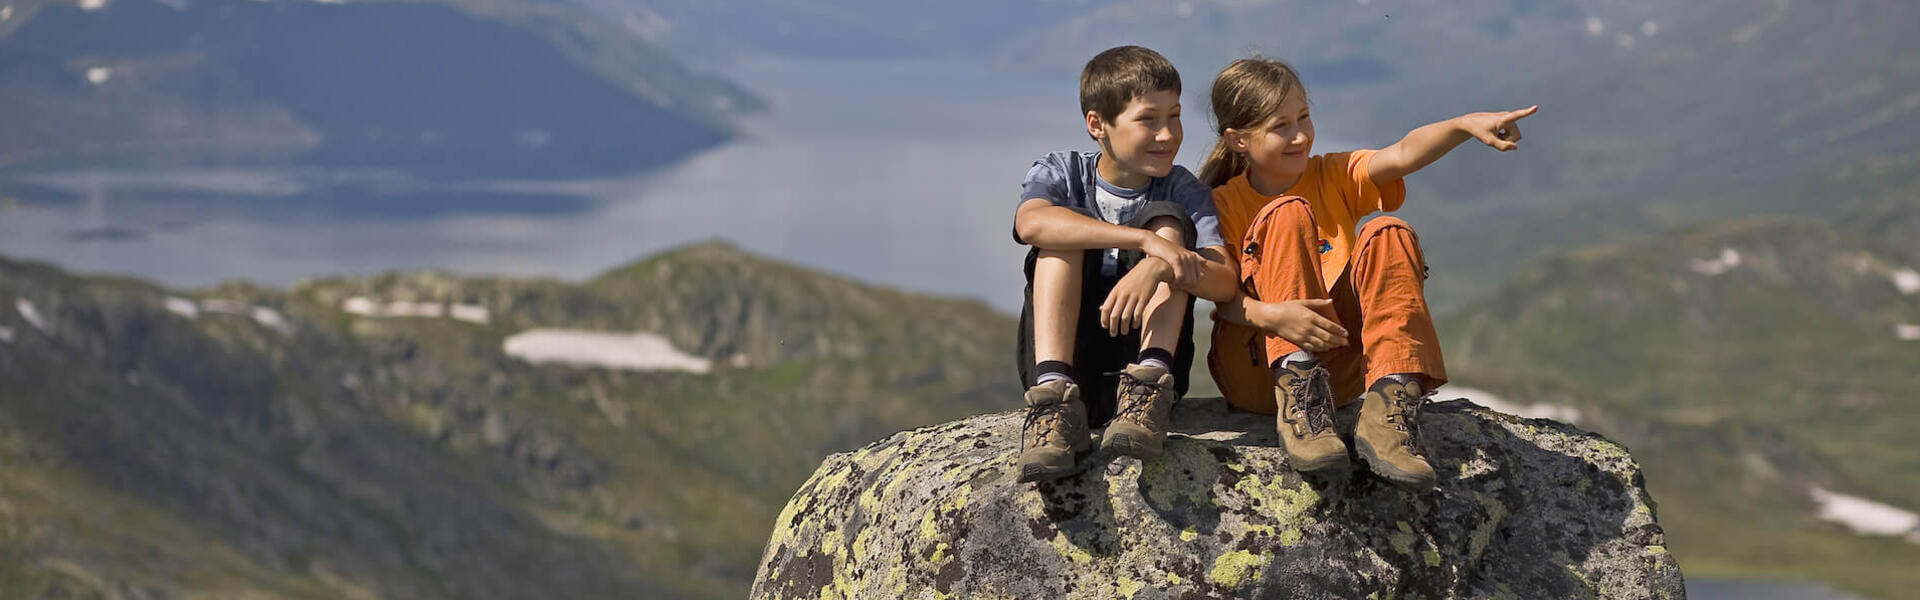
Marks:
<point>1260,113</point>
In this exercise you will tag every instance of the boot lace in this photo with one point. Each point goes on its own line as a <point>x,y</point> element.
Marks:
<point>1135,395</point>
<point>1406,417</point>
<point>1309,410</point>
<point>1043,420</point>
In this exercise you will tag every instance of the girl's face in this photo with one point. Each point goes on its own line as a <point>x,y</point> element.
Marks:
<point>1278,148</point>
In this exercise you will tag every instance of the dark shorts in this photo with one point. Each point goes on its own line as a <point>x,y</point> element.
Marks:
<point>1098,357</point>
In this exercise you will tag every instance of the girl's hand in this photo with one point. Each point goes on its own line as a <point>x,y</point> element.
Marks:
<point>1501,130</point>
<point>1296,321</point>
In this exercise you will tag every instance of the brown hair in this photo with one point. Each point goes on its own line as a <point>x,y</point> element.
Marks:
<point>1118,75</point>
<point>1245,94</point>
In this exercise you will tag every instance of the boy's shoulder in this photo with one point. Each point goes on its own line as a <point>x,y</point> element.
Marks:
<point>1073,160</point>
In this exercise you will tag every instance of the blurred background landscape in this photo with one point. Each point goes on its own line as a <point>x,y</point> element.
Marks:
<point>295,296</point>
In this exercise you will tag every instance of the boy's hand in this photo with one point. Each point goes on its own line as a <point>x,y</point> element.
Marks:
<point>1296,321</point>
<point>1126,306</point>
<point>1186,264</point>
<point>1501,130</point>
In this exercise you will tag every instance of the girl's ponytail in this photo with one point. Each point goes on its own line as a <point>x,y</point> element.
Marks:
<point>1222,164</point>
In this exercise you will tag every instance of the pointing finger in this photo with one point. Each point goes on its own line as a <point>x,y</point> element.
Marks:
<point>1523,113</point>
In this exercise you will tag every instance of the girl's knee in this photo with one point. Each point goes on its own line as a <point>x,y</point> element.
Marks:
<point>1286,215</point>
<point>1382,224</point>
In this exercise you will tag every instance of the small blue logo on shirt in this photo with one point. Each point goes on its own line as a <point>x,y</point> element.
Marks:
<point>1325,247</point>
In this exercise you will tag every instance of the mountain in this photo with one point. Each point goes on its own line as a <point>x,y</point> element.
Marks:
<point>1756,366</point>
<point>460,87</point>
<point>409,435</point>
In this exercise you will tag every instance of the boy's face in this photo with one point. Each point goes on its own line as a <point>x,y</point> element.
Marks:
<point>1280,146</point>
<point>1143,139</point>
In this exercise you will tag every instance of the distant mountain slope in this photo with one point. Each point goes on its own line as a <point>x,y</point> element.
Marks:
<point>1747,363</point>
<point>458,87</point>
<point>316,443</point>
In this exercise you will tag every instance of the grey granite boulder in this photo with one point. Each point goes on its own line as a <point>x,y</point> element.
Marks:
<point>1524,509</point>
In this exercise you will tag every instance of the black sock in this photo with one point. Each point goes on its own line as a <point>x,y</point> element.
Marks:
<point>1165,357</point>
<point>1049,370</point>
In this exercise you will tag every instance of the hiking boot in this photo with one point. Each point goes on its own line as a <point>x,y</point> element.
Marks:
<point>1305,421</point>
<point>1054,435</point>
<point>1145,400</point>
<point>1388,434</point>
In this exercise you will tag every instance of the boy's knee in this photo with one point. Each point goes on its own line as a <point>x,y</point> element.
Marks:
<point>1073,257</point>
<point>1170,227</point>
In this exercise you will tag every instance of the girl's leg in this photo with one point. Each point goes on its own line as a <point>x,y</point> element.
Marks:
<point>1389,275</point>
<point>1402,349</point>
<point>1282,262</point>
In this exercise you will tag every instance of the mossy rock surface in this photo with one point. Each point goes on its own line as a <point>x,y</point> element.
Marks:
<point>1524,509</point>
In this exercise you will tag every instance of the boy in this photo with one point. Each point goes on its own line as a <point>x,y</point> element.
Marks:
<point>1106,332</point>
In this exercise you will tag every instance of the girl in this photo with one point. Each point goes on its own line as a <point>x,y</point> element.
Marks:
<point>1362,323</point>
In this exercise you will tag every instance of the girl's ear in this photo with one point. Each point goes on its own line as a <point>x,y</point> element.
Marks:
<point>1095,127</point>
<point>1236,139</point>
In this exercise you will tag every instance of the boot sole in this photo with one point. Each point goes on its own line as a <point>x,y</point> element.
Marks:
<point>1035,472</point>
<point>1137,444</point>
<point>1387,471</point>
<point>1330,461</point>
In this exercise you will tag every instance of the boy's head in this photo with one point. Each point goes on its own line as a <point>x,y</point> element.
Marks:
<point>1130,97</point>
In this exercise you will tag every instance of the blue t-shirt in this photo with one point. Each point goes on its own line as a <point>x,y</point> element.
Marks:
<point>1071,179</point>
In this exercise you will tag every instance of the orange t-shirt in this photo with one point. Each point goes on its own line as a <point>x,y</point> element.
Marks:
<point>1338,188</point>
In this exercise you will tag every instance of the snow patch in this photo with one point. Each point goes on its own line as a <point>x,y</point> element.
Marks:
<point>1185,9</point>
<point>92,5</point>
<point>31,314</point>
<point>1906,279</point>
<point>1728,259</point>
<point>1863,516</point>
<point>270,318</point>
<point>1595,26</point>
<point>183,307</point>
<point>1906,331</point>
<point>637,351</point>
<point>6,334</point>
<point>367,307</point>
<point>1649,29</point>
<point>1537,410</point>
<point>6,12</point>
<point>99,75</point>
<point>471,313</point>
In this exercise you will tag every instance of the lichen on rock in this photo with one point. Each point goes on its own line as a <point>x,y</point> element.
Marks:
<point>1529,507</point>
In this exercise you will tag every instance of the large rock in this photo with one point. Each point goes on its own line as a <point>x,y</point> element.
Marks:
<point>1524,509</point>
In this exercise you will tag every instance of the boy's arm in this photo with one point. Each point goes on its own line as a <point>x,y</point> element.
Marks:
<point>1219,278</point>
<point>1430,142</point>
<point>1042,224</point>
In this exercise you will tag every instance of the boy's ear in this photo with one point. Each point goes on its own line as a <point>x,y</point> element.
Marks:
<point>1096,127</point>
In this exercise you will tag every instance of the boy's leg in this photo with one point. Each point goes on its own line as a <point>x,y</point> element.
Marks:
<point>1402,349</point>
<point>1282,262</point>
<point>1054,434</point>
<point>1148,386</point>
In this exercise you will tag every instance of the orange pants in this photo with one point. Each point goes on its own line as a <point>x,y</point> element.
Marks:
<point>1380,300</point>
